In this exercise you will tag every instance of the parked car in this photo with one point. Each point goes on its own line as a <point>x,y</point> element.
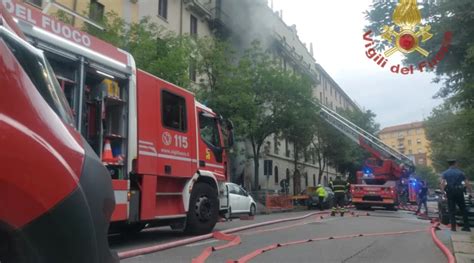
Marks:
<point>240,201</point>
<point>444,213</point>
<point>313,200</point>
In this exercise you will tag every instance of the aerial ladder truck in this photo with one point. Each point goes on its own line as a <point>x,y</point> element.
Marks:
<point>383,175</point>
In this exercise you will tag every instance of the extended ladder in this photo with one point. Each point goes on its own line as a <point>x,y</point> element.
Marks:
<point>356,134</point>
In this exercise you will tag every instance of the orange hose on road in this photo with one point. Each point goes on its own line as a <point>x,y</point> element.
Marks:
<point>255,253</point>
<point>440,244</point>
<point>186,241</point>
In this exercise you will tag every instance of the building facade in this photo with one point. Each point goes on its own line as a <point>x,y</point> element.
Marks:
<point>242,22</point>
<point>409,139</point>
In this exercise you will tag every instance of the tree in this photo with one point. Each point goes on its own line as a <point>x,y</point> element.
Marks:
<point>446,129</point>
<point>455,119</point>
<point>428,175</point>
<point>298,116</point>
<point>161,53</point>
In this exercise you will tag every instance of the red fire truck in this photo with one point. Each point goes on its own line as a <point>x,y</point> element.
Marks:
<point>382,177</point>
<point>165,152</point>
<point>56,197</point>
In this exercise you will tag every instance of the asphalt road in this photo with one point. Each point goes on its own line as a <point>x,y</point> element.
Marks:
<point>405,247</point>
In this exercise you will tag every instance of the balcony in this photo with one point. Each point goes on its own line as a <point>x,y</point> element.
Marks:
<point>200,8</point>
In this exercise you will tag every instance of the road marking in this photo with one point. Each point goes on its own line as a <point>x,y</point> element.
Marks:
<point>202,243</point>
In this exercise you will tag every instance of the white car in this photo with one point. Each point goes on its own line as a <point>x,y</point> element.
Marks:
<point>240,202</point>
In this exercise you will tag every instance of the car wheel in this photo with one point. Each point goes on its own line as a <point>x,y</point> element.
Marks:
<point>443,216</point>
<point>229,213</point>
<point>203,210</point>
<point>253,210</point>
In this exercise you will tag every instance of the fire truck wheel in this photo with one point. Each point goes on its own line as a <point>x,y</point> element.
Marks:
<point>203,210</point>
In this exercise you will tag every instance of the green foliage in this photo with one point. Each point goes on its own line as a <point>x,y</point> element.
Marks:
<point>64,17</point>
<point>354,156</point>
<point>160,53</point>
<point>447,130</point>
<point>428,175</point>
<point>450,127</point>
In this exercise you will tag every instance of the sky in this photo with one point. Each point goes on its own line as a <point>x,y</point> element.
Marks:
<point>336,28</point>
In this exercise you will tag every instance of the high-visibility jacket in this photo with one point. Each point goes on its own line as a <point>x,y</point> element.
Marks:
<point>321,192</point>
<point>339,186</point>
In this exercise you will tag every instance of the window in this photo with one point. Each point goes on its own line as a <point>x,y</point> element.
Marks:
<point>418,141</point>
<point>331,91</point>
<point>276,175</point>
<point>194,26</point>
<point>38,3</point>
<point>267,167</point>
<point>409,142</point>
<point>288,176</point>
<point>276,149</point>
<point>96,11</point>
<point>321,97</point>
<point>287,149</point>
<point>173,111</point>
<point>233,189</point>
<point>163,8</point>
<point>410,151</point>
<point>420,150</point>
<point>327,101</point>
<point>306,179</point>
<point>41,75</point>
<point>209,130</point>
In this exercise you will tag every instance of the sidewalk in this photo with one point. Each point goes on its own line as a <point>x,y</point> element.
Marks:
<point>463,246</point>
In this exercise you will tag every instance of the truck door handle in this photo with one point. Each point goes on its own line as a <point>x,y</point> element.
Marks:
<point>167,169</point>
<point>202,163</point>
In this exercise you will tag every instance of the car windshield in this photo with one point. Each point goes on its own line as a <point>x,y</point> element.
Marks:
<point>41,74</point>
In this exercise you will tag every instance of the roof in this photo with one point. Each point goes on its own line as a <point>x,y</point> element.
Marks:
<point>402,127</point>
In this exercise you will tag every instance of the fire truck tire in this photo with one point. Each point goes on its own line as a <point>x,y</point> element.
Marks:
<point>203,210</point>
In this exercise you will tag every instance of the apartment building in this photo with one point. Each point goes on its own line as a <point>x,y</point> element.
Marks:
<point>92,10</point>
<point>245,21</point>
<point>191,17</point>
<point>409,139</point>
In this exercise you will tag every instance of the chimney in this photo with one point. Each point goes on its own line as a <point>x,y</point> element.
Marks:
<point>271,4</point>
<point>311,49</point>
<point>281,14</point>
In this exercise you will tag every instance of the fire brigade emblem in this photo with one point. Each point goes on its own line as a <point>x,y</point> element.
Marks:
<point>407,19</point>
<point>166,138</point>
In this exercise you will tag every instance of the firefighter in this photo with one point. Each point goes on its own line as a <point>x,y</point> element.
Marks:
<point>453,186</point>
<point>339,187</point>
<point>322,194</point>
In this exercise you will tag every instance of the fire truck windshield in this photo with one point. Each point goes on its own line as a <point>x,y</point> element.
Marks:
<point>40,73</point>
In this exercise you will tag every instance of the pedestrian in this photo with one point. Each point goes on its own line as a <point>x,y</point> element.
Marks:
<point>322,194</point>
<point>422,197</point>
<point>339,187</point>
<point>453,186</point>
